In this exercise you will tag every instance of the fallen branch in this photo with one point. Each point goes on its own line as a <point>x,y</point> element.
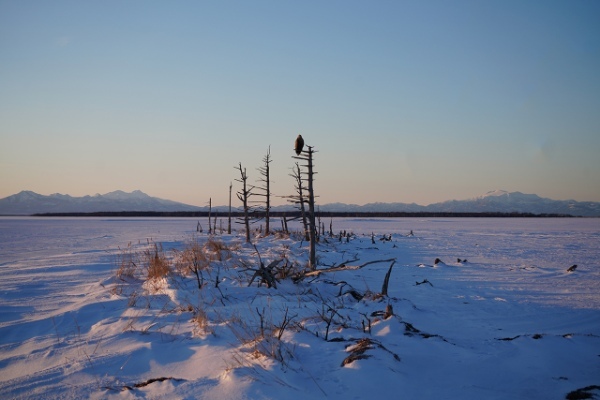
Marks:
<point>143,384</point>
<point>357,351</point>
<point>344,267</point>
<point>344,263</point>
<point>424,281</point>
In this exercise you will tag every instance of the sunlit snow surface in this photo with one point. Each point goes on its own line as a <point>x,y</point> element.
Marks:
<point>540,250</point>
<point>510,322</point>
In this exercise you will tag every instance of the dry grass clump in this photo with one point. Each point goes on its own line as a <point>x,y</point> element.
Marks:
<point>132,263</point>
<point>281,235</point>
<point>218,250</point>
<point>192,259</point>
<point>197,258</point>
<point>127,263</point>
<point>153,264</point>
<point>157,262</point>
<point>200,322</point>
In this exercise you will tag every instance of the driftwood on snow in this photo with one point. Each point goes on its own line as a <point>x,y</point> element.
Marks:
<point>266,274</point>
<point>358,351</point>
<point>344,267</point>
<point>142,384</point>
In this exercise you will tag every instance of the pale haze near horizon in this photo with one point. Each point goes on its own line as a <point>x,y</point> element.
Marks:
<point>404,101</point>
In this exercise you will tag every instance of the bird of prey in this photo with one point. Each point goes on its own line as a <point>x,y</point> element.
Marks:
<point>299,144</point>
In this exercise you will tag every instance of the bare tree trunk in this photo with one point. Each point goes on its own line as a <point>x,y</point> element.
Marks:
<point>302,201</point>
<point>311,210</point>
<point>307,155</point>
<point>229,216</point>
<point>268,192</point>
<point>209,211</point>
<point>244,195</point>
<point>265,172</point>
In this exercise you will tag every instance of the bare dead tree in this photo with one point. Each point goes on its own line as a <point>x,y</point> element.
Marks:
<point>209,211</point>
<point>311,208</point>
<point>244,196</point>
<point>266,189</point>
<point>308,155</point>
<point>320,226</point>
<point>229,215</point>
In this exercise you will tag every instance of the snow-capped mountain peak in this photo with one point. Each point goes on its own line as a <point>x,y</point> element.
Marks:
<point>28,202</point>
<point>494,193</point>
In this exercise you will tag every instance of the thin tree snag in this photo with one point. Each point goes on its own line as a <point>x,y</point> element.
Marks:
<point>386,280</point>
<point>311,210</point>
<point>209,216</point>
<point>266,189</point>
<point>307,155</point>
<point>244,195</point>
<point>344,267</point>
<point>229,215</point>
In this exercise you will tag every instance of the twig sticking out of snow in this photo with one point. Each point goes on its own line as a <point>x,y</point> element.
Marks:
<point>386,280</point>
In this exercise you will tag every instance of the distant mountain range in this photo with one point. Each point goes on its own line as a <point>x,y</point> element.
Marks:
<point>28,203</point>
<point>498,201</point>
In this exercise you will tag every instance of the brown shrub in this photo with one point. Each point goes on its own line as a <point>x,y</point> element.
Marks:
<point>217,250</point>
<point>157,262</point>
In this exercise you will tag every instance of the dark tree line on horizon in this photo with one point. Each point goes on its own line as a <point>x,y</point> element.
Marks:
<point>297,214</point>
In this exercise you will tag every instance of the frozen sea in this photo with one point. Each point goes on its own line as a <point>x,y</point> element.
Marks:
<point>548,246</point>
<point>500,286</point>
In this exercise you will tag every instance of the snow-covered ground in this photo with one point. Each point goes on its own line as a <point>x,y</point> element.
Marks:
<point>507,321</point>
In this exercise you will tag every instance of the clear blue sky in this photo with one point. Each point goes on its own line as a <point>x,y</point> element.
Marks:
<point>406,101</point>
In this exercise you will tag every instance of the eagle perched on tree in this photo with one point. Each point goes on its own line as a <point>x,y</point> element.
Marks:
<point>299,145</point>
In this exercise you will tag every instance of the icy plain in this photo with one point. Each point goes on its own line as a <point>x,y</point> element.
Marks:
<point>498,317</point>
